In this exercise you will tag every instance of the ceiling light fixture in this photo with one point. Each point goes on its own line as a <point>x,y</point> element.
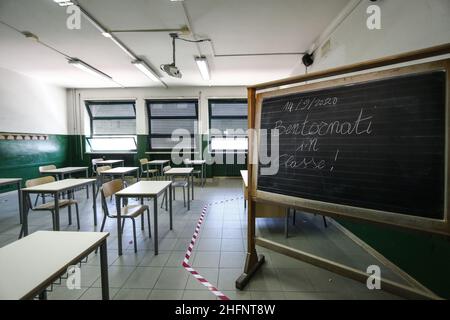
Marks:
<point>202,64</point>
<point>64,3</point>
<point>88,68</point>
<point>145,69</point>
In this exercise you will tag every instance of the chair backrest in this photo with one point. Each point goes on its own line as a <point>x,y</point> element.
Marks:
<point>167,168</point>
<point>187,162</point>
<point>94,161</point>
<point>103,168</point>
<point>44,168</point>
<point>143,161</point>
<point>38,181</point>
<point>110,188</point>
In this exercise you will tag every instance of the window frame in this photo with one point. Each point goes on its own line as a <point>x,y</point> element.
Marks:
<point>109,102</point>
<point>151,135</point>
<point>211,116</point>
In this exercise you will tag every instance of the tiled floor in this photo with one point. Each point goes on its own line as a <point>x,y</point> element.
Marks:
<point>219,254</point>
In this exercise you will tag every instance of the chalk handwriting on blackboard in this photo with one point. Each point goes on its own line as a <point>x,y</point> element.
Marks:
<point>361,125</point>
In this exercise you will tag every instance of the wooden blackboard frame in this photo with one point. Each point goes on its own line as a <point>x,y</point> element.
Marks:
<point>337,210</point>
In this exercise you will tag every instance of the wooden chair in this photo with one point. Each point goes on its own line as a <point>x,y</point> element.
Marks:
<point>50,206</point>
<point>176,184</point>
<point>94,165</point>
<point>198,173</point>
<point>144,163</point>
<point>99,177</point>
<point>42,170</point>
<point>127,212</point>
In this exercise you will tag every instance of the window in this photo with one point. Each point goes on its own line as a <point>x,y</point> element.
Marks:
<point>112,125</point>
<point>166,116</point>
<point>228,125</point>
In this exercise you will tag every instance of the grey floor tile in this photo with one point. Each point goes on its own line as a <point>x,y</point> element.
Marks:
<point>206,259</point>
<point>96,294</point>
<point>63,293</point>
<point>117,275</point>
<point>232,259</point>
<point>198,295</point>
<point>143,278</point>
<point>158,294</point>
<point>294,280</point>
<point>206,244</point>
<point>152,260</point>
<point>172,279</point>
<point>267,295</point>
<point>132,294</point>
<point>228,277</point>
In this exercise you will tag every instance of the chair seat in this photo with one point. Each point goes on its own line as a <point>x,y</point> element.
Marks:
<point>179,184</point>
<point>151,171</point>
<point>51,205</point>
<point>134,210</point>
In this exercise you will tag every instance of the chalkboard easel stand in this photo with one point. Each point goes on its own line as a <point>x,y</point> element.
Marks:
<point>253,260</point>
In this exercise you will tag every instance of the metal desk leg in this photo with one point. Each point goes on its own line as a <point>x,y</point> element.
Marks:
<point>170,205</point>
<point>119,228</point>
<point>87,186</point>
<point>155,223</point>
<point>189,192</point>
<point>104,270</point>
<point>57,227</point>
<point>69,208</point>
<point>24,215</point>
<point>19,193</point>
<point>94,202</point>
<point>192,181</point>
<point>203,175</point>
<point>137,175</point>
<point>43,295</point>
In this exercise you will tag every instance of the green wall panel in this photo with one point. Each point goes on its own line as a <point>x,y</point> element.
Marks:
<point>22,158</point>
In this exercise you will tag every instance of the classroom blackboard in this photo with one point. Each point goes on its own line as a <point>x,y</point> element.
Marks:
<point>378,144</point>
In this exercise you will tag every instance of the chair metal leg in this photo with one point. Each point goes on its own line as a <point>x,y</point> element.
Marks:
<point>164,197</point>
<point>142,221</point>
<point>53,220</point>
<point>78,215</point>
<point>184,196</point>
<point>134,234</point>
<point>103,223</point>
<point>149,224</point>
<point>173,193</point>
<point>123,225</point>
<point>325,222</point>
<point>294,216</point>
<point>36,201</point>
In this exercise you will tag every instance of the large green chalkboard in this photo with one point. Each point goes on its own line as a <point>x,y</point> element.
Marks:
<point>377,145</point>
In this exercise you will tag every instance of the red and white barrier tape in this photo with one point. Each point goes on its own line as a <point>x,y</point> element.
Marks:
<point>189,250</point>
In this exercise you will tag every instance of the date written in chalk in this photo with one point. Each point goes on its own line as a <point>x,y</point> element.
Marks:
<point>227,309</point>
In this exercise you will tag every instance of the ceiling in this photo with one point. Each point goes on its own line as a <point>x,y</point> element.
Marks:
<point>235,27</point>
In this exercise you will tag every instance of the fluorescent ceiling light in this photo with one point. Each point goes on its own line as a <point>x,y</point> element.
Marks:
<point>107,34</point>
<point>87,68</point>
<point>64,3</point>
<point>145,69</point>
<point>202,65</point>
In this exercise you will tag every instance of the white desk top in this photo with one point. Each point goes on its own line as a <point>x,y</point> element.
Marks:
<point>144,189</point>
<point>58,186</point>
<point>109,161</point>
<point>196,162</point>
<point>120,170</point>
<point>158,161</point>
<point>180,171</point>
<point>65,170</point>
<point>6,181</point>
<point>29,263</point>
<point>244,175</point>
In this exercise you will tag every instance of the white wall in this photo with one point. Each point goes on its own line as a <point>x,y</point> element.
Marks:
<point>77,97</point>
<point>406,25</point>
<point>30,106</point>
